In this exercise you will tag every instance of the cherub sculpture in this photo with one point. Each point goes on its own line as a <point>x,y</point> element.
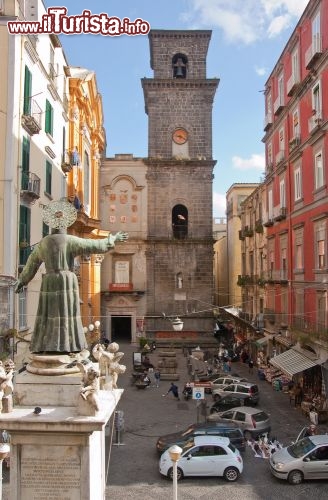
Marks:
<point>109,366</point>
<point>6,385</point>
<point>90,384</point>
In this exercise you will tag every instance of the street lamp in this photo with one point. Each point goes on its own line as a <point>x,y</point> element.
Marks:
<point>175,454</point>
<point>4,452</point>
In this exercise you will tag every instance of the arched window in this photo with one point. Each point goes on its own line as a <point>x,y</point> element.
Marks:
<point>180,222</point>
<point>179,65</point>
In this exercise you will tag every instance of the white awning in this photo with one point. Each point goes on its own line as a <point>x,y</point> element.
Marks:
<point>292,362</point>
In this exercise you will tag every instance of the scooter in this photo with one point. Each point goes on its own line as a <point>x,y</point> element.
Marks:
<point>187,392</point>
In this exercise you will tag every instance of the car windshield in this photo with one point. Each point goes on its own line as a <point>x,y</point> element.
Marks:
<point>188,431</point>
<point>188,444</point>
<point>259,417</point>
<point>299,449</point>
<point>232,448</point>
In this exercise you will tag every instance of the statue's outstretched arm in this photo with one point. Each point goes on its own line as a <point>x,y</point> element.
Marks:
<point>32,265</point>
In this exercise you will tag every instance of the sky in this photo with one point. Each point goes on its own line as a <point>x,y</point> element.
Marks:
<point>248,37</point>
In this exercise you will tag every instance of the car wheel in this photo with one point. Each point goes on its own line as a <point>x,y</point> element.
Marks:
<point>295,477</point>
<point>231,474</point>
<point>216,397</point>
<point>179,473</point>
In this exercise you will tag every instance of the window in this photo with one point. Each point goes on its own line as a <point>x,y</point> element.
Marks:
<point>180,221</point>
<point>281,139</point>
<point>270,204</point>
<point>179,65</point>
<point>316,100</point>
<point>296,126</point>
<point>241,417</point>
<point>320,250</point>
<point>269,153</point>
<point>299,257</point>
<point>321,254</point>
<point>282,193</point>
<point>295,66</point>
<point>25,163</point>
<point>322,311</point>
<point>283,272</point>
<point>316,34</point>
<point>281,90</point>
<point>86,182</point>
<point>48,176</point>
<point>27,92</point>
<point>318,171</point>
<point>297,184</point>
<point>49,118</point>
<point>22,320</point>
<point>24,234</point>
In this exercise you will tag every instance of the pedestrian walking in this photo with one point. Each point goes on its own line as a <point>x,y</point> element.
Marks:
<point>157,375</point>
<point>175,391</point>
<point>250,365</point>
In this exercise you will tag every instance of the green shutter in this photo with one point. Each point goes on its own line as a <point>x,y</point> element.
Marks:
<point>49,118</point>
<point>48,176</point>
<point>27,91</point>
<point>24,233</point>
<point>25,162</point>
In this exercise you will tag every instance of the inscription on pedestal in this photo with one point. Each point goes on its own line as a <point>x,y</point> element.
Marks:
<point>55,477</point>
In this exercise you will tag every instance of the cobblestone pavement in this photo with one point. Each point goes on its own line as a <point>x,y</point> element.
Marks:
<point>132,470</point>
<point>133,467</point>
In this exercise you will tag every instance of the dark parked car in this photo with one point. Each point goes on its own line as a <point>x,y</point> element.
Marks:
<point>231,401</point>
<point>232,431</point>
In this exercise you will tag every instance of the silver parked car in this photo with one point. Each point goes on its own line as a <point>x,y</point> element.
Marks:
<point>305,459</point>
<point>252,421</point>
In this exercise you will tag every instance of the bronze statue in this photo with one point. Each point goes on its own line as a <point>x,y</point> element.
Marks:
<point>58,327</point>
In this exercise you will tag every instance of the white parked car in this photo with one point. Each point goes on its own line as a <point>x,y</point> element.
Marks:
<point>205,456</point>
<point>221,382</point>
<point>305,459</point>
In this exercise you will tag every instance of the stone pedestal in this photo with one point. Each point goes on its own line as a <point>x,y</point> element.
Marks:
<point>57,454</point>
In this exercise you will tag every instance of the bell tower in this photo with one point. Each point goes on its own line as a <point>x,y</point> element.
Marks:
<point>178,102</point>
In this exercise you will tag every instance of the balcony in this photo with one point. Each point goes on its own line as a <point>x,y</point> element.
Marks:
<point>268,121</point>
<point>248,231</point>
<point>313,52</point>
<point>315,121</point>
<point>245,279</point>
<point>123,288</point>
<point>280,213</point>
<point>30,187</point>
<point>294,142</point>
<point>278,105</point>
<point>31,117</point>
<point>292,85</point>
<point>268,222</point>
<point>277,276</point>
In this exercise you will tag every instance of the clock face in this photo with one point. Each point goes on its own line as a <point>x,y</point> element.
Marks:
<point>180,136</point>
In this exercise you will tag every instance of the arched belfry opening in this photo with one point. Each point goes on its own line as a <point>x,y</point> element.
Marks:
<point>180,221</point>
<point>179,65</point>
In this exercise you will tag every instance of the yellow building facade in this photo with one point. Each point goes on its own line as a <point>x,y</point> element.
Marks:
<point>86,143</point>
